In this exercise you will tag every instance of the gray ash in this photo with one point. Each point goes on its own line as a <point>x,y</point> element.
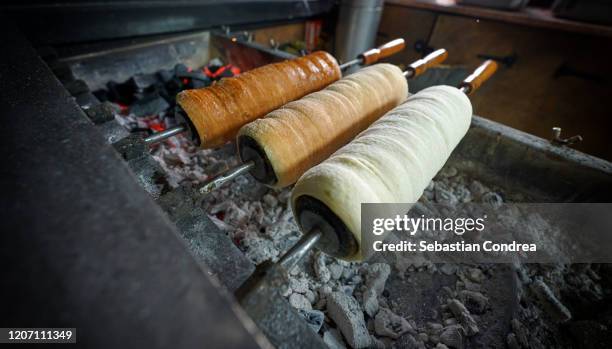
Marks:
<point>362,304</point>
<point>259,221</point>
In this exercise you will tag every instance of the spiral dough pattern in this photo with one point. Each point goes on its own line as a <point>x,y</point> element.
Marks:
<point>307,131</point>
<point>217,112</point>
<point>392,161</point>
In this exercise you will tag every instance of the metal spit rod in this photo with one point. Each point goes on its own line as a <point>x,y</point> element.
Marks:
<point>351,63</point>
<point>420,66</point>
<point>299,250</point>
<point>165,134</point>
<point>225,177</point>
<point>268,276</point>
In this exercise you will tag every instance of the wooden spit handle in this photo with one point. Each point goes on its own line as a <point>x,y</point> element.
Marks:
<point>479,76</point>
<point>431,60</point>
<point>386,50</point>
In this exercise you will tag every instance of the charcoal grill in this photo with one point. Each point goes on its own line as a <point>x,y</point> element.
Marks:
<point>491,152</point>
<point>497,154</point>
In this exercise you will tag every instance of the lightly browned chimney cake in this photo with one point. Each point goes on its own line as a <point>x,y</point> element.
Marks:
<point>304,132</point>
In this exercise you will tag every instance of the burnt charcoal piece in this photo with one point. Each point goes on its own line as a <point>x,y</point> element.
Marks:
<point>219,72</point>
<point>195,79</point>
<point>101,113</point>
<point>121,93</point>
<point>143,82</point>
<point>76,87</point>
<point>62,71</point>
<point>216,70</point>
<point>131,147</point>
<point>199,83</point>
<point>180,69</point>
<point>101,95</point>
<point>170,85</point>
<point>80,91</point>
<point>86,100</point>
<point>189,78</point>
<point>195,75</point>
<point>170,89</point>
<point>165,76</point>
<point>150,104</point>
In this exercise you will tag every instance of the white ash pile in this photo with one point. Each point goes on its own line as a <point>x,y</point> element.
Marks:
<point>345,302</point>
<point>546,293</point>
<point>182,161</point>
<point>185,163</point>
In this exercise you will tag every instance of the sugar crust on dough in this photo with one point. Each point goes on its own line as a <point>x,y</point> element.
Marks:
<point>393,160</point>
<point>218,111</point>
<point>305,132</point>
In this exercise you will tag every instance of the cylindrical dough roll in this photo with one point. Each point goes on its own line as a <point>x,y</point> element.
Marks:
<point>392,161</point>
<point>306,131</point>
<point>217,112</point>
